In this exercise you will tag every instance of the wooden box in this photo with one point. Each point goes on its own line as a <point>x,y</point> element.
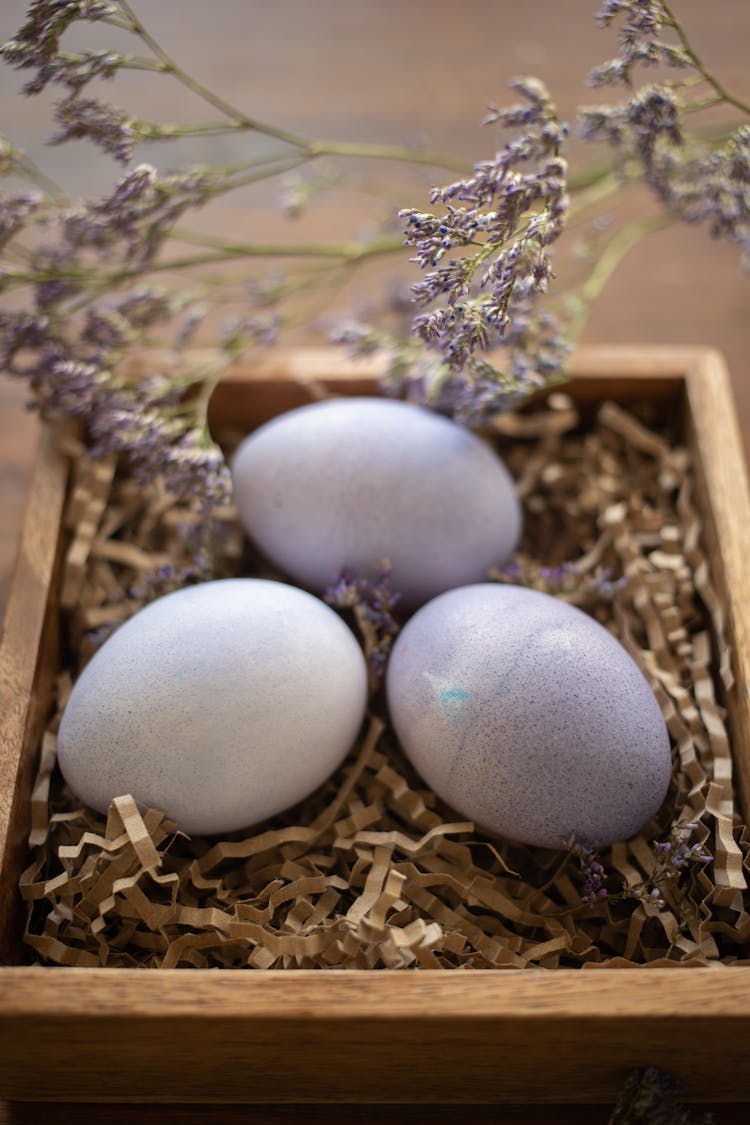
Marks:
<point>296,1036</point>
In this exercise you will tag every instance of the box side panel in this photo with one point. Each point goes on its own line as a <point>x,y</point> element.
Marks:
<point>28,662</point>
<point>280,381</point>
<point>374,1037</point>
<point>723,496</point>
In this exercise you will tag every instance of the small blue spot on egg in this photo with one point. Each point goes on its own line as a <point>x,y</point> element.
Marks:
<point>453,701</point>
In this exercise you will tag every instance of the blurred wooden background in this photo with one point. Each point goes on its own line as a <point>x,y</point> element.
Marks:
<point>391,71</point>
<point>420,72</point>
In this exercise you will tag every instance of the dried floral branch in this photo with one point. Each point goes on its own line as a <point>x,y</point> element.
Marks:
<point>373,604</point>
<point>694,178</point>
<point>671,858</point>
<point>488,330</point>
<point>504,219</point>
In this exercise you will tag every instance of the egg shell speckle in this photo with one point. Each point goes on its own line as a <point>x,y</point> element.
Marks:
<point>221,704</point>
<point>526,715</point>
<point>351,481</point>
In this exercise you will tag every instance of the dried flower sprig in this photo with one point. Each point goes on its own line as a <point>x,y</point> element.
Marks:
<point>568,580</point>
<point>671,858</point>
<point>88,299</point>
<point>695,177</point>
<point>373,603</point>
<point>592,869</point>
<point>486,332</point>
<point>504,218</point>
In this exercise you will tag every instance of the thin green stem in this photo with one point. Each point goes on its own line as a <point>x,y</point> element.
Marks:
<point>113,21</point>
<point>151,131</point>
<point>388,152</point>
<point>345,255</point>
<point>208,386</point>
<point>315,250</point>
<point>709,77</point>
<point>704,103</point>
<point>269,171</point>
<point>124,62</point>
<point>169,65</point>
<point>588,177</point>
<point>607,264</point>
<point>311,148</point>
<point>595,193</point>
<point>27,168</point>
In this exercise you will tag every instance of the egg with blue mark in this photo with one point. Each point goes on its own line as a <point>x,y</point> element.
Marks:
<point>349,482</point>
<point>220,704</point>
<point>528,717</point>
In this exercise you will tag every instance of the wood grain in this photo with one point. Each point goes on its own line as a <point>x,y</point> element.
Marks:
<point>26,658</point>
<point>369,1036</point>
<point>722,481</point>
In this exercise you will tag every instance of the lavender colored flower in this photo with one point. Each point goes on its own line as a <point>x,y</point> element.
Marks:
<point>648,129</point>
<point>145,421</point>
<point>671,859</point>
<point>691,182</point>
<point>21,331</point>
<point>71,387</point>
<point>360,339</point>
<point>260,328</point>
<point>111,129</point>
<point>100,225</point>
<point>566,580</point>
<point>137,216</point>
<point>374,604</point>
<point>189,464</point>
<point>173,576</point>
<point>105,329</point>
<point>36,47</point>
<point>674,854</point>
<point>15,212</point>
<point>592,869</point>
<point>640,39</point>
<point>505,216</point>
<point>76,71</point>
<point>694,181</point>
<point>714,188</point>
<point>143,306</point>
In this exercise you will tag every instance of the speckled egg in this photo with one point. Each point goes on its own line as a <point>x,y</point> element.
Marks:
<point>527,716</point>
<point>351,481</point>
<point>221,704</point>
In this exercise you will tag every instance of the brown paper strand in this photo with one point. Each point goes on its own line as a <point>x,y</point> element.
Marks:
<point>372,871</point>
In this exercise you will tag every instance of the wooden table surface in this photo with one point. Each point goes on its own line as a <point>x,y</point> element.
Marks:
<point>395,72</point>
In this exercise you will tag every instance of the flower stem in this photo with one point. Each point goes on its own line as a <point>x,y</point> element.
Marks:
<point>310,148</point>
<point>607,264</point>
<point>27,168</point>
<point>708,76</point>
<point>353,251</point>
<point>599,189</point>
<point>169,65</point>
<point>388,152</point>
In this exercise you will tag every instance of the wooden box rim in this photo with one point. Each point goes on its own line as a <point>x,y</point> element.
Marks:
<point>610,1018</point>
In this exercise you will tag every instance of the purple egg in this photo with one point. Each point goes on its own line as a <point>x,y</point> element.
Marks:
<point>527,716</point>
<point>221,704</point>
<point>352,481</point>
